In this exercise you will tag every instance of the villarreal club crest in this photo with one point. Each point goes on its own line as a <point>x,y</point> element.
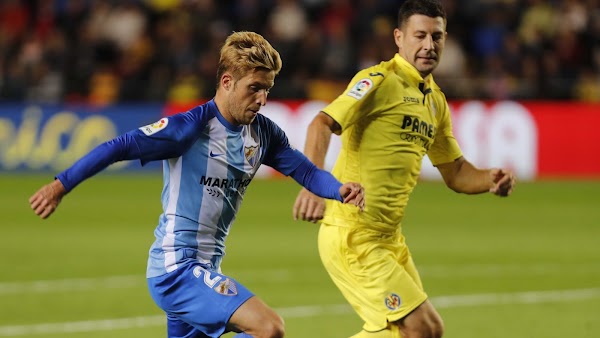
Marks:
<point>392,301</point>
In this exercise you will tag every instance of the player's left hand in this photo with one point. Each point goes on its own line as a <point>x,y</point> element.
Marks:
<point>353,193</point>
<point>45,201</point>
<point>504,182</point>
<point>308,207</point>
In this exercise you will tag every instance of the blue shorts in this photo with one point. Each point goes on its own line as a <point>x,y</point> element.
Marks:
<point>198,301</point>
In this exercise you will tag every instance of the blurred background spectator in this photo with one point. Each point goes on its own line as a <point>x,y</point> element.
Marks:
<point>106,51</point>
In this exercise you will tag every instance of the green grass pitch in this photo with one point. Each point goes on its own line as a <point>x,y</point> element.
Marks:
<point>523,267</point>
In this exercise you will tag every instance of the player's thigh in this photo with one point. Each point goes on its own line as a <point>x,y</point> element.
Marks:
<point>197,297</point>
<point>254,317</point>
<point>373,271</point>
<point>411,269</point>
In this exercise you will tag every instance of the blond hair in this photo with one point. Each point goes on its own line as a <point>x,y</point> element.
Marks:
<point>246,51</point>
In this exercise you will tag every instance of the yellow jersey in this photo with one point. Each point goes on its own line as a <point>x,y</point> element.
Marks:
<point>390,118</point>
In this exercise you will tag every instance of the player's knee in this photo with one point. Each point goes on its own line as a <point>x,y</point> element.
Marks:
<point>434,328</point>
<point>430,327</point>
<point>437,328</point>
<point>273,328</point>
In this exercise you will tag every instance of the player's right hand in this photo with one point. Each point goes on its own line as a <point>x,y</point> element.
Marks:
<point>45,201</point>
<point>308,207</point>
<point>504,182</point>
<point>353,193</point>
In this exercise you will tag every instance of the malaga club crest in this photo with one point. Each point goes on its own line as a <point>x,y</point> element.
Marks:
<point>392,301</point>
<point>251,153</point>
<point>226,288</point>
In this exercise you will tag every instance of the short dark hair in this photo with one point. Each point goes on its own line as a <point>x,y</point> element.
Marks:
<point>430,8</point>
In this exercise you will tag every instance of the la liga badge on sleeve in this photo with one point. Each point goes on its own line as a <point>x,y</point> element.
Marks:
<point>155,127</point>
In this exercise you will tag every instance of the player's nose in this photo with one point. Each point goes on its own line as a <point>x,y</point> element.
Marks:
<point>428,42</point>
<point>261,97</point>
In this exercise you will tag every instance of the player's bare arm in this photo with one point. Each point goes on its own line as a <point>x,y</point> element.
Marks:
<point>45,201</point>
<point>308,206</point>
<point>318,137</point>
<point>463,177</point>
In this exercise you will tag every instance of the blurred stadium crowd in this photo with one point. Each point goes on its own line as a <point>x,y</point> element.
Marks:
<point>107,51</point>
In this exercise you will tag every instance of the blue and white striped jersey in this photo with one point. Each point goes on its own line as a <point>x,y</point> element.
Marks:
<point>207,166</point>
<point>210,164</point>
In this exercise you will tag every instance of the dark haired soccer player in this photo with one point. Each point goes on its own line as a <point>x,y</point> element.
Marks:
<point>210,154</point>
<point>389,117</point>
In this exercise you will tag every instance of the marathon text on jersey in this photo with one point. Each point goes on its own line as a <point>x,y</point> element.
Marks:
<point>224,183</point>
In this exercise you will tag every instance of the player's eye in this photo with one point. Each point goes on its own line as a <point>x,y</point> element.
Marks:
<point>256,89</point>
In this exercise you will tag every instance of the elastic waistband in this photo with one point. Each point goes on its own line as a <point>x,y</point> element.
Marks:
<point>377,227</point>
<point>193,254</point>
<point>188,253</point>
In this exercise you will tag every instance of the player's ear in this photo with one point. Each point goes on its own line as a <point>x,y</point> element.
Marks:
<point>226,81</point>
<point>398,37</point>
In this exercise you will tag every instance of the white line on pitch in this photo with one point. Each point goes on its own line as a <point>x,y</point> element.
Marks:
<point>530,297</point>
<point>281,275</point>
<point>110,282</point>
<point>72,284</point>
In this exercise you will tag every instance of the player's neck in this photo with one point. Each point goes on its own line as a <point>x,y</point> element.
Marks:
<point>220,102</point>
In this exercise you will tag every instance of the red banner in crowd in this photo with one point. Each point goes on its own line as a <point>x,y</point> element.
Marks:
<point>535,139</point>
<point>539,139</point>
<point>567,140</point>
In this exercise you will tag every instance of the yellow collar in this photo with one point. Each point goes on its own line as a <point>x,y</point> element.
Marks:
<point>411,74</point>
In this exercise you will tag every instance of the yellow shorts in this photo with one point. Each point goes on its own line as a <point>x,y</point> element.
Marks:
<point>374,271</point>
